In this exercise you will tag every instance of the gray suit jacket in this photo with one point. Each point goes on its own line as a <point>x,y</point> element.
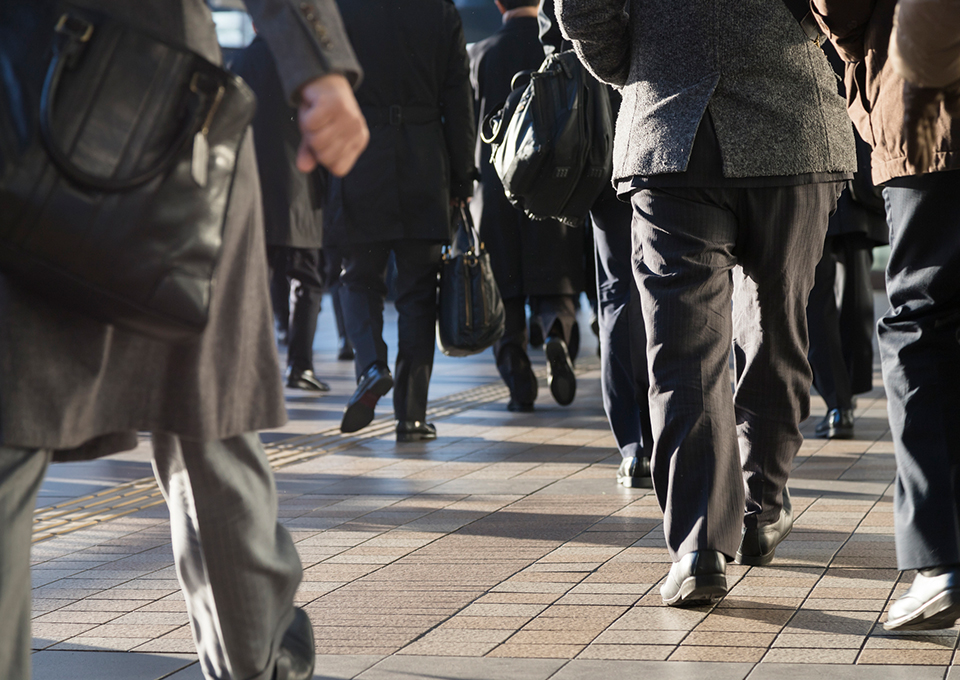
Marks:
<point>70,382</point>
<point>771,92</point>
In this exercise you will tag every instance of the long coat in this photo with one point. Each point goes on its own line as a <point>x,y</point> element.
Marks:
<point>416,98</point>
<point>68,382</point>
<point>529,257</point>
<point>291,199</point>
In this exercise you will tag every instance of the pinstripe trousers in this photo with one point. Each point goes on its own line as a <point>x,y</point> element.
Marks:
<point>237,566</point>
<point>722,267</point>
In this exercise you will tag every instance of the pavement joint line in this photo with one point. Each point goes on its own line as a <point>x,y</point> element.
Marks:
<point>65,517</point>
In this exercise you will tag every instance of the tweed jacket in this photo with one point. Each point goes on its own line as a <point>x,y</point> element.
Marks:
<point>772,95</point>
<point>81,387</point>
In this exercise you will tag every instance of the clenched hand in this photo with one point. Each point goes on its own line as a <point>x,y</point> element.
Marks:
<point>333,127</point>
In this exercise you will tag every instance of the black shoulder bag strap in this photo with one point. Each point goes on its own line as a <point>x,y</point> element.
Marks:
<point>801,12</point>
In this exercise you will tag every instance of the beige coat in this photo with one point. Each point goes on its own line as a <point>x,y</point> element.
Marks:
<point>925,46</point>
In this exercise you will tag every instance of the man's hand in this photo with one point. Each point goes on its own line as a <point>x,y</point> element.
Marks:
<point>333,127</point>
<point>921,110</point>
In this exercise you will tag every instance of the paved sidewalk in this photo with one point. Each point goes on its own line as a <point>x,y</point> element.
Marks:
<point>502,550</point>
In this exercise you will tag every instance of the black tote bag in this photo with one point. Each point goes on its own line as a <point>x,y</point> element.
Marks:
<point>470,317</point>
<point>117,158</point>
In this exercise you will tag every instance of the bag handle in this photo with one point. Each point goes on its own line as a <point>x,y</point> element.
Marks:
<point>72,34</point>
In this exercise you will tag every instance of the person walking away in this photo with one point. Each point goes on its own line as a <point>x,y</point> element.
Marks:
<point>417,102</point>
<point>291,211</point>
<point>915,133</point>
<point>840,311</point>
<point>72,387</point>
<point>540,261</point>
<point>731,144</point>
<point>623,359</point>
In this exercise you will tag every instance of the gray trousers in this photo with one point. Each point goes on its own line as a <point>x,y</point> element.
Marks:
<point>237,566</point>
<point>721,459</point>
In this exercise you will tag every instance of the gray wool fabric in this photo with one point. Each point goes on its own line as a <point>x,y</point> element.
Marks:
<point>747,59</point>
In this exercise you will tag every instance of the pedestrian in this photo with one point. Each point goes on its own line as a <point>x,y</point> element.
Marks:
<point>916,156</point>
<point>73,387</point>
<point>840,313</point>
<point>731,145</point>
<point>416,99</point>
<point>540,262</point>
<point>623,360</point>
<point>292,215</point>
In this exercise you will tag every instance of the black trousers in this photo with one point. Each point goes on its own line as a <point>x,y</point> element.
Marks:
<point>841,337</point>
<point>362,292</point>
<point>721,460</point>
<point>304,265</point>
<point>623,360</point>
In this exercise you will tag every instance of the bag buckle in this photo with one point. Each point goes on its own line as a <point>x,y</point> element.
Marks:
<point>396,115</point>
<point>74,27</point>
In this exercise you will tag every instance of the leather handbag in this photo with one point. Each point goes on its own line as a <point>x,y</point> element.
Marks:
<point>117,157</point>
<point>470,315</point>
<point>552,140</point>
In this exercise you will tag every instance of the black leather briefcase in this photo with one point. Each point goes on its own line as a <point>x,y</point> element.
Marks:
<point>117,158</point>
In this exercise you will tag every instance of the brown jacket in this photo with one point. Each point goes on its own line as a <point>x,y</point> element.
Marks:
<point>925,48</point>
<point>861,29</point>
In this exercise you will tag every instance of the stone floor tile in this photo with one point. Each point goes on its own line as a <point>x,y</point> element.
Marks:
<point>926,657</point>
<point>719,639</point>
<point>536,651</point>
<point>97,665</point>
<point>405,667</point>
<point>811,655</point>
<point>735,654</point>
<point>627,652</point>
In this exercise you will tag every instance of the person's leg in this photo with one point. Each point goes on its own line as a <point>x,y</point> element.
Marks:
<point>418,263</point>
<point>333,262</point>
<point>237,566</point>
<point>510,353</point>
<point>558,316</point>
<point>783,230</point>
<point>857,326</point>
<point>21,472</point>
<point>920,355</point>
<point>823,321</point>
<point>305,267</point>
<point>362,293</point>
<point>683,254</point>
<point>623,363</point>
<point>277,262</point>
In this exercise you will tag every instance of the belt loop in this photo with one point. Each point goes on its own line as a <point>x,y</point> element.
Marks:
<point>396,115</point>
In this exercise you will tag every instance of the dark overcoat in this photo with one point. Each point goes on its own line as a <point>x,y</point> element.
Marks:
<point>291,199</point>
<point>529,257</point>
<point>417,101</point>
<point>78,386</point>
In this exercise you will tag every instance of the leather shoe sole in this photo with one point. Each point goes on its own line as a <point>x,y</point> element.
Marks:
<point>520,406</point>
<point>560,375</point>
<point>359,411</point>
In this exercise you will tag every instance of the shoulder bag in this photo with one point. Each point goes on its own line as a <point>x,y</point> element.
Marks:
<point>117,158</point>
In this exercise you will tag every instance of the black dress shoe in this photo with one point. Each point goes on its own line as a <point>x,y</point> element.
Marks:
<point>374,383</point>
<point>932,603</point>
<point>698,578</point>
<point>345,351</point>
<point>634,472</point>
<point>758,544</point>
<point>560,376</point>
<point>837,424</point>
<point>297,654</point>
<point>520,406</point>
<point>415,431</point>
<point>306,380</point>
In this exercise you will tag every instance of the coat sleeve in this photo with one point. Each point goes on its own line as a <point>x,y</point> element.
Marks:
<point>845,22</point>
<point>925,45</point>
<point>600,32</point>
<point>457,110</point>
<point>307,39</point>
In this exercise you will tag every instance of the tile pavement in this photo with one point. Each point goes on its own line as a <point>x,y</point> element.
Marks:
<point>504,550</point>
